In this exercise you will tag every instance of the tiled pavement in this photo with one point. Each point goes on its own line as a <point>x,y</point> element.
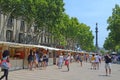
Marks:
<point>76,73</point>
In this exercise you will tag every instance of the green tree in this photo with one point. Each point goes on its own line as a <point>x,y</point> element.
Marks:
<point>109,44</point>
<point>114,29</point>
<point>8,7</point>
<point>48,16</point>
<point>85,37</point>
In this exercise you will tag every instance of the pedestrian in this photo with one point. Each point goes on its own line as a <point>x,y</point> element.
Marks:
<point>30,60</point>
<point>97,61</point>
<point>35,59</point>
<point>40,58</point>
<point>47,59</point>
<point>67,61</point>
<point>5,65</point>
<point>79,59</point>
<point>92,60</point>
<point>60,61</point>
<point>44,62</point>
<point>108,61</point>
<point>71,58</point>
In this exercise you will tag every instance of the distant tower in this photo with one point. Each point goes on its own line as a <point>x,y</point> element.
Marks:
<point>96,31</point>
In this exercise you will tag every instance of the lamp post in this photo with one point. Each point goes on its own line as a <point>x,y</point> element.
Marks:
<point>96,31</point>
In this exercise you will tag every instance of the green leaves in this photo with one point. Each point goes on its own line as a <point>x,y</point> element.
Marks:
<point>50,16</point>
<point>75,32</point>
<point>114,28</point>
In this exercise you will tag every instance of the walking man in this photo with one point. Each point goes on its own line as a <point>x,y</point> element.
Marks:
<point>108,64</point>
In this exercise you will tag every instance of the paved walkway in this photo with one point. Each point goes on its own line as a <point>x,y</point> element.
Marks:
<point>76,73</point>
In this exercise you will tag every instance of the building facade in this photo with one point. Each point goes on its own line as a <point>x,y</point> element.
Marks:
<point>16,30</point>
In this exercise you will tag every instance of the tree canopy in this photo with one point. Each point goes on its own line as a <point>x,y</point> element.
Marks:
<point>113,21</point>
<point>50,16</point>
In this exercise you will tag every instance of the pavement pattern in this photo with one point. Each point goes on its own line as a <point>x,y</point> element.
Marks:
<point>76,73</point>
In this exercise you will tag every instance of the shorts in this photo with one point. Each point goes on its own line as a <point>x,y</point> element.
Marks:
<point>92,61</point>
<point>107,65</point>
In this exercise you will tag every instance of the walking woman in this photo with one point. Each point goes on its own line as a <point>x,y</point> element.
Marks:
<point>5,64</point>
<point>67,61</point>
<point>30,60</point>
<point>93,61</point>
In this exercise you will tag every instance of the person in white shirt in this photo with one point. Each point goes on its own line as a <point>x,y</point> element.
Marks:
<point>97,61</point>
<point>60,61</point>
<point>71,58</point>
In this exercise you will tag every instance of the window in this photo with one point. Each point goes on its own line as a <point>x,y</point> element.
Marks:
<point>10,23</point>
<point>45,39</point>
<point>35,28</point>
<point>21,38</point>
<point>22,27</point>
<point>29,39</point>
<point>34,41</point>
<point>9,35</point>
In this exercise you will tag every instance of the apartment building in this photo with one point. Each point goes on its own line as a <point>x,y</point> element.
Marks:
<point>16,30</point>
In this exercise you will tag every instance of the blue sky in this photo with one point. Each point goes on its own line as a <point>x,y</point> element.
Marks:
<point>90,12</point>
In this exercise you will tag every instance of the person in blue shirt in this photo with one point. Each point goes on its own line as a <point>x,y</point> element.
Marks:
<point>4,64</point>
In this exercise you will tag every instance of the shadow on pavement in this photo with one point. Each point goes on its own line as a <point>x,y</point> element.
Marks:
<point>104,75</point>
<point>65,71</point>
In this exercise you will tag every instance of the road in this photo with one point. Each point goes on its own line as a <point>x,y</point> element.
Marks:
<point>76,73</point>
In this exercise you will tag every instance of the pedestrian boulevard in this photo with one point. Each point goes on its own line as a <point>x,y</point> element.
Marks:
<point>76,73</point>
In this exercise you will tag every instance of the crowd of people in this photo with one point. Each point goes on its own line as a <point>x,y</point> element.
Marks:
<point>94,59</point>
<point>39,59</point>
<point>79,58</point>
<point>35,60</point>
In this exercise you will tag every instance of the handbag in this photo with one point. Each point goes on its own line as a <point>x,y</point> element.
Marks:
<point>66,62</point>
